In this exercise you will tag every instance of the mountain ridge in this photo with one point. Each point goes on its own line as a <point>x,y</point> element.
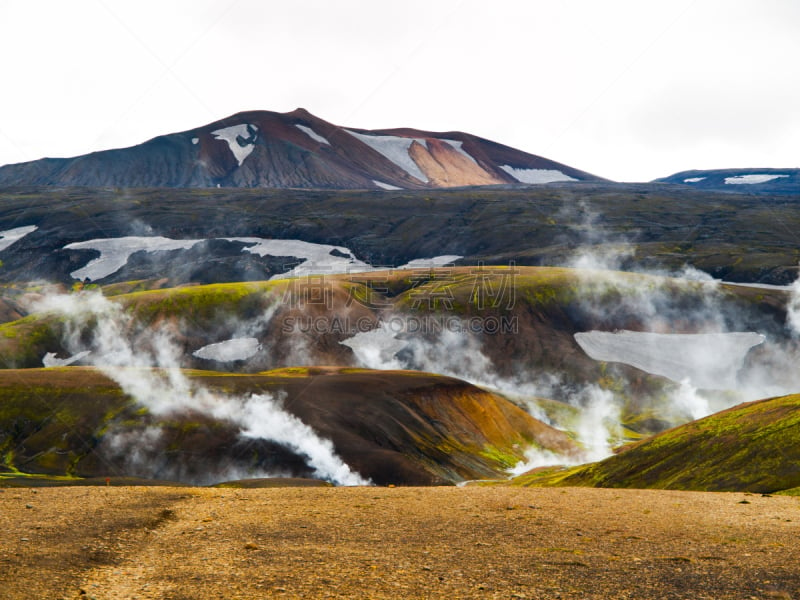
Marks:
<point>297,150</point>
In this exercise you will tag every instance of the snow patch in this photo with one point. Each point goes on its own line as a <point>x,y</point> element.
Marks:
<point>229,350</point>
<point>195,141</point>
<point>317,258</point>
<point>693,179</point>
<point>115,252</point>
<point>10,236</point>
<point>395,149</point>
<point>312,134</point>
<point>536,175</point>
<point>377,348</point>
<point>50,359</point>
<point>760,286</point>
<point>751,179</point>
<point>705,360</point>
<point>241,139</point>
<point>427,263</point>
<point>385,186</point>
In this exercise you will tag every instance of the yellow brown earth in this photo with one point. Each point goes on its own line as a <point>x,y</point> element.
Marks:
<point>473,542</point>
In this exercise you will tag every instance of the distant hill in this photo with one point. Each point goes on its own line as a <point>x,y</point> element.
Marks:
<point>298,150</point>
<point>740,181</point>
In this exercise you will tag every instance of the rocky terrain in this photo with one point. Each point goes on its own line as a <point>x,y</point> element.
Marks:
<point>218,235</point>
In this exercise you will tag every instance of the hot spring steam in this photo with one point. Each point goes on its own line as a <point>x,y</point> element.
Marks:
<point>146,365</point>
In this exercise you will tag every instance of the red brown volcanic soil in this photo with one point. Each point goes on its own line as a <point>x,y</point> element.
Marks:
<point>497,542</point>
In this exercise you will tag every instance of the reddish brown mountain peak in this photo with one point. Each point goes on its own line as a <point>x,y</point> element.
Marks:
<point>296,149</point>
<point>299,112</point>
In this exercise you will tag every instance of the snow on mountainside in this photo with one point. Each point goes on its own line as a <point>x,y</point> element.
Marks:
<point>748,181</point>
<point>310,258</point>
<point>297,150</point>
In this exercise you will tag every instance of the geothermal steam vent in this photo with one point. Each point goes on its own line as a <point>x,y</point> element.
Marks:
<point>707,360</point>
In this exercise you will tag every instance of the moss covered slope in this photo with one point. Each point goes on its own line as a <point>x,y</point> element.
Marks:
<point>391,427</point>
<point>751,447</point>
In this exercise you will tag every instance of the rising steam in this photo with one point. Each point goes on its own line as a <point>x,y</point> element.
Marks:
<point>146,365</point>
<point>709,354</point>
<point>457,353</point>
<point>793,308</point>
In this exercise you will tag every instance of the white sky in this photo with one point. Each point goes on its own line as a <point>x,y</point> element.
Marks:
<point>625,89</point>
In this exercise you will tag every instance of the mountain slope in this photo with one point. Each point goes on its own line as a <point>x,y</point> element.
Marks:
<point>297,150</point>
<point>391,427</point>
<point>753,447</point>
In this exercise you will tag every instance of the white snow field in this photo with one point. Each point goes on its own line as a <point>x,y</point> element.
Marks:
<point>312,134</point>
<point>693,179</point>
<point>751,179</point>
<point>229,350</point>
<point>385,186</point>
<point>706,360</point>
<point>376,349</point>
<point>233,135</point>
<point>536,175</point>
<point>427,263</point>
<point>760,286</point>
<point>115,252</point>
<point>10,236</point>
<point>317,258</point>
<point>51,360</point>
<point>394,148</point>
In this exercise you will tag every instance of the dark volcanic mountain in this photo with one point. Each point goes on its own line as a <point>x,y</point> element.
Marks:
<point>742,181</point>
<point>297,150</point>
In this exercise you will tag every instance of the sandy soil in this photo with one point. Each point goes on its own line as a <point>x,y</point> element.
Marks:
<point>187,543</point>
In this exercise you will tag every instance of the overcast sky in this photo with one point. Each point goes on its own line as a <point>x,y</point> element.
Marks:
<point>625,89</point>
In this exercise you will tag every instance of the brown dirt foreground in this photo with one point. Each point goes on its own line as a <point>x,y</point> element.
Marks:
<point>473,542</point>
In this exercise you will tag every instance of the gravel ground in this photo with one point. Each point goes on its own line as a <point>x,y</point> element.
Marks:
<point>473,542</point>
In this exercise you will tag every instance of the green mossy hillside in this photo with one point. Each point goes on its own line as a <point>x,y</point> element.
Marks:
<point>523,318</point>
<point>752,447</point>
<point>392,427</point>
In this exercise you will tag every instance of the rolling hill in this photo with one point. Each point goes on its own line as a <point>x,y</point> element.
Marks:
<point>516,330</point>
<point>402,428</point>
<point>753,447</point>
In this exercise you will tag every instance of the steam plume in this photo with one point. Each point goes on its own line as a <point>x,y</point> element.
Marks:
<point>146,365</point>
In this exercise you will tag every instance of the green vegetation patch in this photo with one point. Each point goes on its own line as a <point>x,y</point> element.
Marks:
<point>201,302</point>
<point>752,447</point>
<point>24,342</point>
<point>51,418</point>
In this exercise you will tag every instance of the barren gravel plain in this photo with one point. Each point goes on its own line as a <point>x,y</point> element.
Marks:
<point>471,542</point>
